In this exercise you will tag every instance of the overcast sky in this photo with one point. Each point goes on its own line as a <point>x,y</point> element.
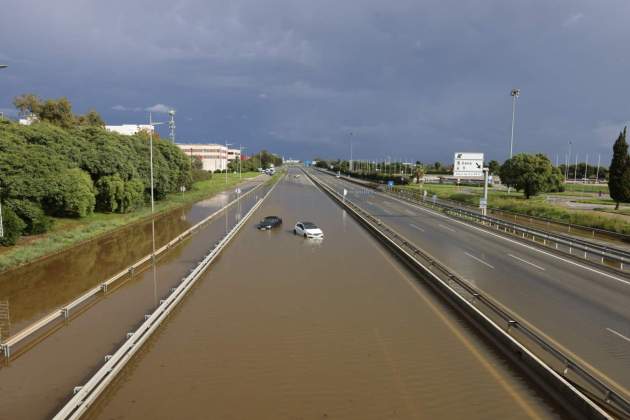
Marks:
<point>412,79</point>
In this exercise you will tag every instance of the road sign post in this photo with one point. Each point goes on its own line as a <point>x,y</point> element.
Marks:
<point>483,203</point>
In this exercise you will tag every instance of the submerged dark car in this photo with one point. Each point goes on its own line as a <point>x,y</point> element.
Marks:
<point>269,222</point>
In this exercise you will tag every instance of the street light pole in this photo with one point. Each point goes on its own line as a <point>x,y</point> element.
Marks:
<point>240,162</point>
<point>2,66</point>
<point>351,166</point>
<point>599,157</point>
<point>566,170</point>
<point>152,124</point>
<point>226,159</point>
<point>515,94</point>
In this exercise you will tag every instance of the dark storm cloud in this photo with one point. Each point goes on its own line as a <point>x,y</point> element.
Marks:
<point>410,79</point>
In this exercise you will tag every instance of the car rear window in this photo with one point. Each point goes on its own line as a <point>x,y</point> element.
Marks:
<point>309,225</point>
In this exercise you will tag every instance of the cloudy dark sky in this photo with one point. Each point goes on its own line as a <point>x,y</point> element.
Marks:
<point>412,79</point>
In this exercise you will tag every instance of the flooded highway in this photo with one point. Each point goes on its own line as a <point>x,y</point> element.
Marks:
<point>40,378</point>
<point>37,288</point>
<point>281,327</point>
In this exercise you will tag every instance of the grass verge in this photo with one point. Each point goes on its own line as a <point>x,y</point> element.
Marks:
<point>67,233</point>
<point>536,206</point>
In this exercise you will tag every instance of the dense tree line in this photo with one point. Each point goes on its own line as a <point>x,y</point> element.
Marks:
<point>263,159</point>
<point>56,167</point>
<point>55,111</point>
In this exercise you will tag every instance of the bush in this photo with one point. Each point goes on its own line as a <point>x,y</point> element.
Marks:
<point>201,175</point>
<point>71,194</point>
<point>116,195</point>
<point>32,215</point>
<point>13,227</point>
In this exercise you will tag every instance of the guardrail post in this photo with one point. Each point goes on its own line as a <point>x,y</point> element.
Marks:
<point>65,312</point>
<point>6,350</point>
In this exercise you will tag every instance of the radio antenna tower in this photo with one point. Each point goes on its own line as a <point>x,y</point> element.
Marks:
<point>171,124</point>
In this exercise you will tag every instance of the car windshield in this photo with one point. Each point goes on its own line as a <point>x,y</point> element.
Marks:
<point>309,225</point>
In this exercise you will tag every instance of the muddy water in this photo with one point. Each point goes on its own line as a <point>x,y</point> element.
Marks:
<point>286,328</point>
<point>36,289</point>
<point>37,381</point>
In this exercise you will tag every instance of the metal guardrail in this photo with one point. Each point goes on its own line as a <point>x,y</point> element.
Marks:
<point>65,312</point>
<point>600,254</point>
<point>572,246</point>
<point>592,231</point>
<point>598,390</point>
<point>84,396</point>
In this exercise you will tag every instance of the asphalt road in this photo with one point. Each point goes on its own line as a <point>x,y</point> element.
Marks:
<point>582,309</point>
<point>283,327</point>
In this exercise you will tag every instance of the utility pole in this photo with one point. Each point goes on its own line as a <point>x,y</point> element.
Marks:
<point>575,175</point>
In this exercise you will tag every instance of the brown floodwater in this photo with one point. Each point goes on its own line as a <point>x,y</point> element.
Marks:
<point>281,327</point>
<point>37,289</point>
<point>40,377</point>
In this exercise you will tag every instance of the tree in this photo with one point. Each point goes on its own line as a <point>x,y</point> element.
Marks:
<point>619,171</point>
<point>92,119</point>
<point>71,194</point>
<point>28,104</point>
<point>57,112</point>
<point>12,225</point>
<point>530,173</point>
<point>494,167</point>
<point>419,173</point>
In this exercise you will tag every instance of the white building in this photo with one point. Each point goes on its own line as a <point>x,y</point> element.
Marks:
<point>129,129</point>
<point>234,154</point>
<point>28,119</point>
<point>213,156</point>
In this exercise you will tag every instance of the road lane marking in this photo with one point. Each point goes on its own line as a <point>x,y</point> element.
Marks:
<point>446,227</point>
<point>416,227</point>
<point>523,319</point>
<point>618,334</point>
<point>387,211</point>
<point>479,259</point>
<point>527,262</point>
<point>409,212</point>
<point>610,276</point>
<point>472,347</point>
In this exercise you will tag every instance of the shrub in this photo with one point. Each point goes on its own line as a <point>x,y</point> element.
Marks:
<point>201,175</point>
<point>32,215</point>
<point>12,225</point>
<point>71,194</point>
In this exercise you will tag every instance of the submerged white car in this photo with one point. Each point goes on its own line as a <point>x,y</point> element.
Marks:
<point>308,230</point>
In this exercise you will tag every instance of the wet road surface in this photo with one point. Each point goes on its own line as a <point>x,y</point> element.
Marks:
<point>281,327</point>
<point>37,382</point>
<point>583,310</point>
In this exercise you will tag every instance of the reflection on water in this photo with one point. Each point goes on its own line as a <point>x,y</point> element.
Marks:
<point>38,288</point>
